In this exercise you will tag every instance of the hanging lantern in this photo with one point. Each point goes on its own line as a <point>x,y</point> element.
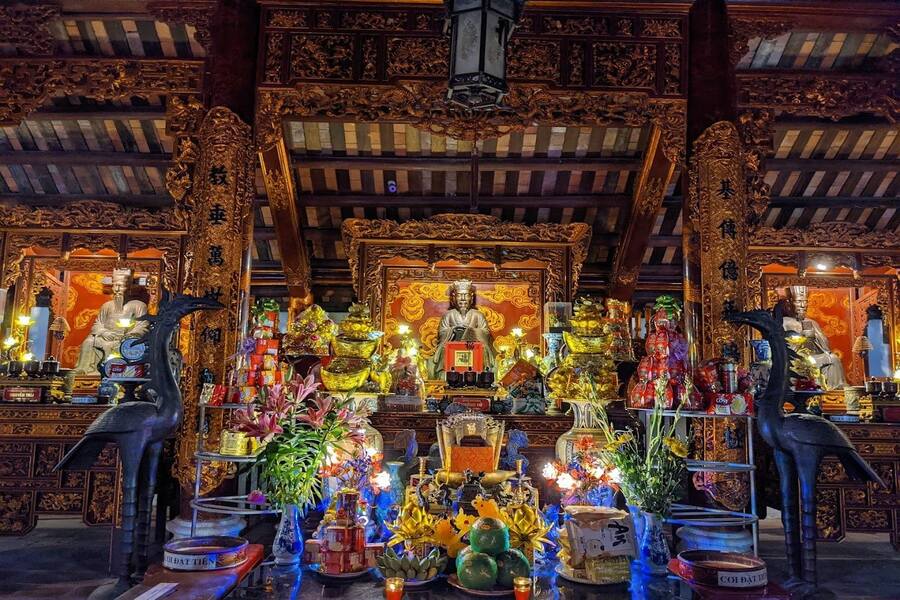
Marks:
<point>479,33</point>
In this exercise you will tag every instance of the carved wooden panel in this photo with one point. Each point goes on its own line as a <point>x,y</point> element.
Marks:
<point>32,440</point>
<point>356,44</point>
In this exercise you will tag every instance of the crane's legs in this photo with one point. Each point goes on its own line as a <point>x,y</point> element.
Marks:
<point>149,468</point>
<point>787,474</point>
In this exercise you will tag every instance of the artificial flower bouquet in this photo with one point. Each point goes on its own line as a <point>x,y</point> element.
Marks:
<point>589,478</point>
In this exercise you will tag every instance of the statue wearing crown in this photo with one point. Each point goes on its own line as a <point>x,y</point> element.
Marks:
<point>117,318</point>
<point>462,322</point>
<point>816,341</point>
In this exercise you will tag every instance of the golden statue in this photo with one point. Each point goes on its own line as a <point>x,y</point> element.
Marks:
<point>117,319</point>
<point>462,323</point>
<point>816,343</point>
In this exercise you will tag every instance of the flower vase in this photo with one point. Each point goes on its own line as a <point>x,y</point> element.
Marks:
<point>585,425</point>
<point>288,545</point>
<point>397,487</point>
<point>653,549</point>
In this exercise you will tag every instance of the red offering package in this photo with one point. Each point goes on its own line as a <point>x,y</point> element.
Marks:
<point>218,395</point>
<point>637,398</point>
<point>708,377</point>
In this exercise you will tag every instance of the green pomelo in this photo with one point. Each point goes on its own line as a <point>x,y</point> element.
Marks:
<point>489,535</point>
<point>477,571</point>
<point>462,554</point>
<point>511,564</point>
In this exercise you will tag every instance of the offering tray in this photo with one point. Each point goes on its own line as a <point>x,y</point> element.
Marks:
<point>206,553</point>
<point>720,569</point>
<point>454,581</point>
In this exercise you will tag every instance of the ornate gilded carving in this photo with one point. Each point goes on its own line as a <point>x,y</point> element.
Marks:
<point>576,63</point>
<point>421,57</point>
<point>829,96</point>
<point>369,243</point>
<point>829,234</point>
<point>624,64</point>
<point>183,117</point>
<point>755,262</point>
<point>828,519</point>
<point>88,214</point>
<point>222,195</point>
<point>170,247</point>
<point>575,25</point>
<point>757,129</point>
<point>672,66</point>
<point>422,103</point>
<point>666,28</point>
<point>743,30</point>
<point>534,59</point>
<point>27,28</point>
<point>625,27</point>
<point>272,71</point>
<point>369,69</point>
<point>196,13</point>
<point>26,85</point>
<point>378,21</point>
<point>321,56</point>
<point>287,18</point>
<point>718,207</point>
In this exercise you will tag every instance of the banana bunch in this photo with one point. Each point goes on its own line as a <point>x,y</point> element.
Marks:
<point>411,567</point>
<point>527,528</point>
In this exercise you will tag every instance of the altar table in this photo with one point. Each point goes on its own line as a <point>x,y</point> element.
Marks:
<point>33,438</point>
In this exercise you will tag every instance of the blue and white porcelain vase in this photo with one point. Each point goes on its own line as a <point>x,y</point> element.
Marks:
<point>653,549</point>
<point>397,487</point>
<point>288,545</point>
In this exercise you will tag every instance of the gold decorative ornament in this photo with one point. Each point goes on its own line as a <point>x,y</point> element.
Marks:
<point>27,28</point>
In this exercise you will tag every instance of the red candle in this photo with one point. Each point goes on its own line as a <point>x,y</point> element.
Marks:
<point>393,588</point>
<point>522,588</point>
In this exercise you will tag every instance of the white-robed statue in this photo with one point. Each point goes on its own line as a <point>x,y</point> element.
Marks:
<point>117,319</point>
<point>462,323</point>
<point>817,343</point>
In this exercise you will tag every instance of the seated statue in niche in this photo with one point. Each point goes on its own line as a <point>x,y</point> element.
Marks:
<point>462,323</point>
<point>110,328</point>
<point>828,363</point>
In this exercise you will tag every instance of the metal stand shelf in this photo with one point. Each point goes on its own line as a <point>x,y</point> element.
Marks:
<point>228,505</point>
<point>712,466</point>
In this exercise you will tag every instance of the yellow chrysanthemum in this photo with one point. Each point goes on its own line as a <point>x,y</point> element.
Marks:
<point>676,447</point>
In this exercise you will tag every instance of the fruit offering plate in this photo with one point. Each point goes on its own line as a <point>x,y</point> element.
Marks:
<point>338,576</point>
<point>410,584</point>
<point>495,593</point>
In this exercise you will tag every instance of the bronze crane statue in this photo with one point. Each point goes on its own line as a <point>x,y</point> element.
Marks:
<point>139,430</point>
<point>800,442</point>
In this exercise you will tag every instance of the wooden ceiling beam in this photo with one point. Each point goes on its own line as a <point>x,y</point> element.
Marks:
<point>62,157</point>
<point>829,202</point>
<point>649,192</point>
<point>451,202</point>
<point>82,112</point>
<point>460,163</point>
<point>832,164</point>
<point>279,182</point>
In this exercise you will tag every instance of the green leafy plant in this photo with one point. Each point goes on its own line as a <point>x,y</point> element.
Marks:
<point>650,477</point>
<point>302,429</point>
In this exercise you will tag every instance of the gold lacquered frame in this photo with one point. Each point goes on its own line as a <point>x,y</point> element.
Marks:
<point>466,241</point>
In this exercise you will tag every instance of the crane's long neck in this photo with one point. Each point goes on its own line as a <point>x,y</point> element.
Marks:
<point>162,380</point>
<point>771,404</point>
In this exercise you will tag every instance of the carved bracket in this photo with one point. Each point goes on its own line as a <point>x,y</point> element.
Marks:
<point>27,28</point>
<point>196,13</point>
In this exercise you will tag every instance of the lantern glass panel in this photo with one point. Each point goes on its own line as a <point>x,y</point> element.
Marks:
<point>468,48</point>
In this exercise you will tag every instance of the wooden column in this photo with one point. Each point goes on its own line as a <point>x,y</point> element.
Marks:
<point>220,223</point>
<point>656,172</point>
<point>711,98</point>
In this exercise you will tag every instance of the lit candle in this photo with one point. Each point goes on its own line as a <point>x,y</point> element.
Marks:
<point>522,588</point>
<point>403,329</point>
<point>125,322</point>
<point>10,342</point>
<point>23,320</point>
<point>393,588</point>
<point>517,332</point>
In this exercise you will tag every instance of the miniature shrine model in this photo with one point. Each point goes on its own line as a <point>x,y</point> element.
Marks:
<point>449,299</point>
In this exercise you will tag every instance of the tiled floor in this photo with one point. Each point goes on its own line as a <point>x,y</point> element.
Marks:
<point>62,560</point>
